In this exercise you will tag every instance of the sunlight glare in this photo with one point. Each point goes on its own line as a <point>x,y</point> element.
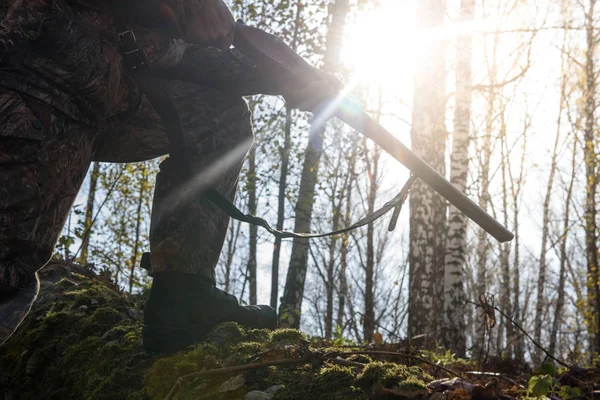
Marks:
<point>381,45</point>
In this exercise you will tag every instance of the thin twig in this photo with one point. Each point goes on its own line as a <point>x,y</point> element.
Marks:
<point>496,375</point>
<point>338,360</point>
<point>539,346</point>
<point>235,368</point>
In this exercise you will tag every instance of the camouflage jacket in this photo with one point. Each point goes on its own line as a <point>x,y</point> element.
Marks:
<point>64,53</point>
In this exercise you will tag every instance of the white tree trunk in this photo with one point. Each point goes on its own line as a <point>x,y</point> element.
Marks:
<point>454,335</point>
<point>427,209</point>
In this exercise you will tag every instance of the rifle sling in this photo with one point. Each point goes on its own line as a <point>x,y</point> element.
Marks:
<point>137,64</point>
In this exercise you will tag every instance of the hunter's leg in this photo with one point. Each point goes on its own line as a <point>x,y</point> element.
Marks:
<point>218,133</point>
<point>43,161</point>
<point>188,238</point>
<point>187,232</point>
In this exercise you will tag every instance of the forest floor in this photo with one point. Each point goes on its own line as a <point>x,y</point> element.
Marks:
<point>82,340</point>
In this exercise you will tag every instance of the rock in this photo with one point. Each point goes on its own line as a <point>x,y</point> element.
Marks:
<point>32,365</point>
<point>274,389</point>
<point>450,384</point>
<point>258,395</point>
<point>135,314</point>
<point>112,334</point>
<point>81,311</point>
<point>233,384</point>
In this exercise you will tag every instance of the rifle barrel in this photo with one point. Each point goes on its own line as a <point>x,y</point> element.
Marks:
<point>352,114</point>
<point>277,57</point>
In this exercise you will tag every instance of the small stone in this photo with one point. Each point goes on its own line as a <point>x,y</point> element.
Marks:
<point>111,348</point>
<point>94,302</point>
<point>258,395</point>
<point>233,384</point>
<point>112,334</point>
<point>81,311</point>
<point>450,384</point>
<point>135,314</point>
<point>32,365</point>
<point>274,389</point>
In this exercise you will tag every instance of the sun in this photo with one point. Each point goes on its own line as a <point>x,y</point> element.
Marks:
<point>380,45</point>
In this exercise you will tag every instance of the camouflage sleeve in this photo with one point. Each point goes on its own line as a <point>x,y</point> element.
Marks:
<point>67,46</point>
<point>21,19</point>
<point>227,70</point>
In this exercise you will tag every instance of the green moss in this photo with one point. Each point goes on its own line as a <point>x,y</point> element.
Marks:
<point>328,382</point>
<point>288,336</point>
<point>64,350</point>
<point>83,341</point>
<point>105,316</point>
<point>391,375</point>
<point>258,335</point>
<point>361,358</point>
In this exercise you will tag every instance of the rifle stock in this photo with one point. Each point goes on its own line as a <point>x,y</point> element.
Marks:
<point>272,53</point>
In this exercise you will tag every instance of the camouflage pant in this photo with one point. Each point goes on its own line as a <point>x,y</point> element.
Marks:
<point>44,157</point>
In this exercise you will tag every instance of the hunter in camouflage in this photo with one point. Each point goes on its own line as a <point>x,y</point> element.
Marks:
<point>66,100</point>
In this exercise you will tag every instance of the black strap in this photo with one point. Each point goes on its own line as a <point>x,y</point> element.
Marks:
<point>230,209</point>
<point>151,86</point>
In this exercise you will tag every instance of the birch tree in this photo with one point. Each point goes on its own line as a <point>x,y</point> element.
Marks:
<point>454,335</point>
<point>427,209</point>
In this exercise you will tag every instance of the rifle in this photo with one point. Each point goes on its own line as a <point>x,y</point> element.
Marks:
<point>271,53</point>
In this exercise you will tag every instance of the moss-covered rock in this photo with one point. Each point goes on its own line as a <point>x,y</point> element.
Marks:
<point>82,340</point>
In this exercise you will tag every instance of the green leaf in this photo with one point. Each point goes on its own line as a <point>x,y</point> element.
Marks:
<point>568,392</point>
<point>548,369</point>
<point>540,385</point>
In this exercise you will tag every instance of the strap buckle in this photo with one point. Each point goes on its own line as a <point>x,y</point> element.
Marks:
<point>128,42</point>
<point>134,58</point>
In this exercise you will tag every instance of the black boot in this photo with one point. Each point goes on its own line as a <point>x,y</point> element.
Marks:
<point>182,308</point>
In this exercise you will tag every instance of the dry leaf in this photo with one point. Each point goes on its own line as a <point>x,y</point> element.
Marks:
<point>232,384</point>
<point>377,338</point>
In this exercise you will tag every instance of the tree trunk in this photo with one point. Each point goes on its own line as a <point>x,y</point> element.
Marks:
<point>427,209</point>
<point>369,315</point>
<point>504,248</point>
<point>89,214</point>
<point>591,228</point>
<point>373,177</point>
<point>516,188</point>
<point>560,300</point>
<point>283,174</point>
<point>285,159</point>
<point>289,311</point>
<point>253,229</point>
<point>454,335</point>
<point>330,284</point>
<point>541,300</point>
<point>343,287</point>
<point>138,222</point>
<point>484,198</point>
